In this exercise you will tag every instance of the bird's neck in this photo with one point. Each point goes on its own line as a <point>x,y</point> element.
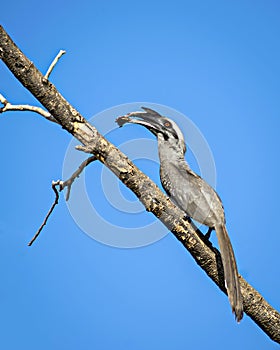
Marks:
<point>170,151</point>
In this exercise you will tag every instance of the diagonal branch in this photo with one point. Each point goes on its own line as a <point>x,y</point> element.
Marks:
<point>255,306</point>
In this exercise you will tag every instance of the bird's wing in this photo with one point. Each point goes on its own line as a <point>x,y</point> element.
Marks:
<point>192,194</point>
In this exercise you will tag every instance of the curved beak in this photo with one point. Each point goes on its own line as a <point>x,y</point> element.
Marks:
<point>149,119</point>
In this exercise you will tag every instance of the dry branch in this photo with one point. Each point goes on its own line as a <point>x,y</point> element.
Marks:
<point>55,202</point>
<point>54,62</point>
<point>68,183</point>
<point>7,106</point>
<point>148,193</point>
<point>61,185</point>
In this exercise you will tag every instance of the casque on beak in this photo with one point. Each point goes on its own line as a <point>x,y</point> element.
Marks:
<point>149,119</point>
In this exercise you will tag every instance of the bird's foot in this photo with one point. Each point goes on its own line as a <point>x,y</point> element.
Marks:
<point>187,218</point>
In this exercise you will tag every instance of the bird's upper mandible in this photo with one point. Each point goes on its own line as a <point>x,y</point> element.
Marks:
<point>164,128</point>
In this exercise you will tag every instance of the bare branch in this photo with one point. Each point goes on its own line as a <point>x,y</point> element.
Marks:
<point>3,100</point>
<point>68,183</point>
<point>9,107</point>
<point>62,184</point>
<point>54,62</point>
<point>54,184</point>
<point>86,149</point>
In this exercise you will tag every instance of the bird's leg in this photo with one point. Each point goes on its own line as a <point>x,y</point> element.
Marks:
<point>208,233</point>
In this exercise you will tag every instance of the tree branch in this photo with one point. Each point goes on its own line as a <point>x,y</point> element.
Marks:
<point>54,184</point>
<point>9,107</point>
<point>54,62</point>
<point>68,183</point>
<point>148,193</point>
<point>62,184</point>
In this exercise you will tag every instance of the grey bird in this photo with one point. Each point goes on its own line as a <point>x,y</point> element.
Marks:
<point>190,192</point>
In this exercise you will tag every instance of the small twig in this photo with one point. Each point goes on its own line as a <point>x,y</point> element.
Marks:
<point>3,100</point>
<point>86,149</point>
<point>62,184</point>
<point>54,62</point>
<point>9,107</point>
<point>54,184</point>
<point>68,183</point>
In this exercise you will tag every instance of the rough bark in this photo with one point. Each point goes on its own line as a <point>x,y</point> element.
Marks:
<point>207,257</point>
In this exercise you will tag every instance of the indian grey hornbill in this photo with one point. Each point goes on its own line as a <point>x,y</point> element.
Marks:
<point>190,192</point>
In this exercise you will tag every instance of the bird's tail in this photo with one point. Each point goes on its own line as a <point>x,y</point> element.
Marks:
<point>230,272</point>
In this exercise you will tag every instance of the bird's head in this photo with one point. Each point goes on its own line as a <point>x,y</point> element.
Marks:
<point>162,127</point>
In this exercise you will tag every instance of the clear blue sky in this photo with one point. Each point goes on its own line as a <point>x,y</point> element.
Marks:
<point>217,62</point>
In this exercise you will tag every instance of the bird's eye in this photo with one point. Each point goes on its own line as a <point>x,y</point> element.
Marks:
<point>167,124</point>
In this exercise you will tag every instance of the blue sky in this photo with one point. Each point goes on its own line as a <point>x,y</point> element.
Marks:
<point>217,63</point>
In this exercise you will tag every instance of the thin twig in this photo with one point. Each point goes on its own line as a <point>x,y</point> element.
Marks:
<point>9,107</point>
<point>68,183</point>
<point>54,62</point>
<point>62,184</point>
<point>82,148</point>
<point>54,184</point>
<point>3,100</point>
